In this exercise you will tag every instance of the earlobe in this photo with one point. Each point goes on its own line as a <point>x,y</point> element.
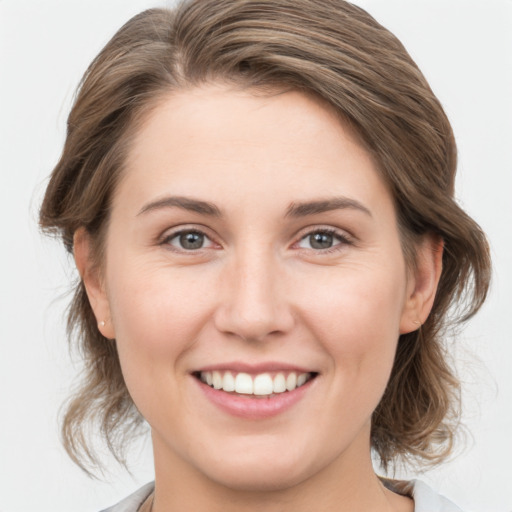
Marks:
<point>423,283</point>
<point>94,286</point>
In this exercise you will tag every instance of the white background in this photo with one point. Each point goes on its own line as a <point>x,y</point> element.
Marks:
<point>465,49</point>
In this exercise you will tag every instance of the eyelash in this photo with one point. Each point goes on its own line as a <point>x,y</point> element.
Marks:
<point>166,240</point>
<point>342,238</point>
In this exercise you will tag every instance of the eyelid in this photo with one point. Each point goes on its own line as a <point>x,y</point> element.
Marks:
<point>175,231</point>
<point>344,238</point>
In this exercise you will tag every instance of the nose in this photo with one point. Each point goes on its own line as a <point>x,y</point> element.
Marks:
<point>253,303</point>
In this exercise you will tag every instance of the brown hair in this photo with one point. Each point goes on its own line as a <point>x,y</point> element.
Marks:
<point>329,48</point>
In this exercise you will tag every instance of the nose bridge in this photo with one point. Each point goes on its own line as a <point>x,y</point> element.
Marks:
<point>253,300</point>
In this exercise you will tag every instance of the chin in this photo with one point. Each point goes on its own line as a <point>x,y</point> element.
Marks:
<point>259,477</point>
<point>254,467</point>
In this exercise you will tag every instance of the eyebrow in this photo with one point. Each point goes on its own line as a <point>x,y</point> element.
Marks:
<point>186,203</point>
<point>325,205</point>
<point>294,210</point>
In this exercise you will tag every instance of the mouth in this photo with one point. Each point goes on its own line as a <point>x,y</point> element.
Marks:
<point>256,391</point>
<point>255,385</point>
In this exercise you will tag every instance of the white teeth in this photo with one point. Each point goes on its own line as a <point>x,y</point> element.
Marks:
<point>217,380</point>
<point>244,384</point>
<point>301,379</point>
<point>279,383</point>
<point>291,381</point>
<point>228,382</point>
<point>261,385</point>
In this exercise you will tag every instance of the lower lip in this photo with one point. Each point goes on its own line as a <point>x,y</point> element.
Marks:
<point>251,407</point>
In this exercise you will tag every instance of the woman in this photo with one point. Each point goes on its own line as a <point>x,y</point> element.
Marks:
<point>259,200</point>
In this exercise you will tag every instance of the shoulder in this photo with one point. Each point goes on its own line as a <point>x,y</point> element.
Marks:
<point>134,501</point>
<point>427,500</point>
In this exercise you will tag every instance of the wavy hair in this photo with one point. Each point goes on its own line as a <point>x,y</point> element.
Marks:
<point>335,51</point>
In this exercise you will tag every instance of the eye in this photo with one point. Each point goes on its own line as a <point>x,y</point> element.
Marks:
<point>322,239</point>
<point>189,240</point>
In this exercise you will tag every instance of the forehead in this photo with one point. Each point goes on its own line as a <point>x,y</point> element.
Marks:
<point>216,140</point>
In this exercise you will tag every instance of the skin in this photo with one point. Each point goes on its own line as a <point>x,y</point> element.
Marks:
<point>257,291</point>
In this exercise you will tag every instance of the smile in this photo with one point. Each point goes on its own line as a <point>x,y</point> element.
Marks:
<point>255,393</point>
<point>262,384</point>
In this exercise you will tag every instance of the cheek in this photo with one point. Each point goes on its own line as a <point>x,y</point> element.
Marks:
<point>157,315</point>
<point>157,319</point>
<point>154,304</point>
<point>356,316</point>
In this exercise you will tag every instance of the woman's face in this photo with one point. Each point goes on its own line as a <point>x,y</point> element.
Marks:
<point>256,286</point>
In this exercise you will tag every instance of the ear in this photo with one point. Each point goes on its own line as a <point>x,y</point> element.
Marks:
<point>94,285</point>
<point>422,283</point>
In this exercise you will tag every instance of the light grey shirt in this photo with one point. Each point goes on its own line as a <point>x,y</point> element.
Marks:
<point>425,499</point>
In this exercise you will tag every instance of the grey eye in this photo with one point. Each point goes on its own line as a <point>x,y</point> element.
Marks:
<point>189,240</point>
<point>321,240</point>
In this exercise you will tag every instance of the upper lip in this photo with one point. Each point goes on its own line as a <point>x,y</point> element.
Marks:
<point>254,368</point>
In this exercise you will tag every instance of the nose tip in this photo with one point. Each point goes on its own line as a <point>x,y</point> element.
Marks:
<point>252,327</point>
<point>253,306</point>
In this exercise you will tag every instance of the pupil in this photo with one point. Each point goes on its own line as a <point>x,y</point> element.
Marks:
<point>321,241</point>
<point>192,240</point>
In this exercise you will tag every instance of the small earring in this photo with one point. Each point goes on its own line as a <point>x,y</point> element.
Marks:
<point>416,322</point>
<point>102,324</point>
